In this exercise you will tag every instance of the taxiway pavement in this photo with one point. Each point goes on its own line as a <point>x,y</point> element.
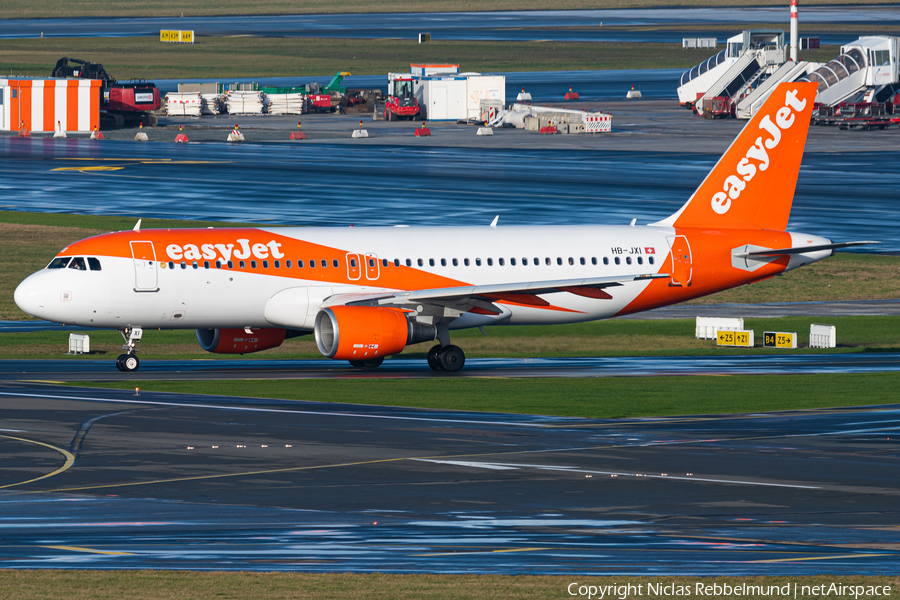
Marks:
<point>104,479</point>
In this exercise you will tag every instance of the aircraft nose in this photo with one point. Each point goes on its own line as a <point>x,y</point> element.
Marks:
<point>31,296</point>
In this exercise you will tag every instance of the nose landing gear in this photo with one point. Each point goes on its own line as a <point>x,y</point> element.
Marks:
<point>128,362</point>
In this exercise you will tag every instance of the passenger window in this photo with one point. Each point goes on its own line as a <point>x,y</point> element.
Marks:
<point>352,263</point>
<point>431,262</point>
<point>477,262</point>
<point>466,261</point>
<point>300,264</point>
<point>559,260</point>
<point>252,264</point>
<point>93,263</point>
<point>184,264</point>
<point>408,262</point>
<point>241,264</point>
<point>640,260</point>
<point>605,260</point>
<point>277,264</point>
<point>593,260</point>
<point>205,264</point>
<point>77,264</point>
<point>618,261</point>
<point>372,263</point>
<point>501,261</point>
<point>420,262</point>
<point>218,264</point>
<point>443,262</point>
<point>512,262</point>
<point>537,261</point>
<point>650,260</point>
<point>324,263</point>
<point>628,260</point>
<point>547,260</point>
<point>265,264</point>
<point>230,264</point>
<point>571,261</point>
<point>490,262</point>
<point>384,262</point>
<point>194,264</point>
<point>455,263</point>
<point>59,263</point>
<point>396,262</point>
<point>312,264</point>
<point>171,265</point>
<point>287,264</point>
<point>584,262</point>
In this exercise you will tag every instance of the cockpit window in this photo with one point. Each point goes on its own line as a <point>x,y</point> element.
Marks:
<point>59,263</point>
<point>93,263</point>
<point>78,264</point>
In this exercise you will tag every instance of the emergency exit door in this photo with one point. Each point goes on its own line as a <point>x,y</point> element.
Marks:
<point>682,266</point>
<point>144,267</point>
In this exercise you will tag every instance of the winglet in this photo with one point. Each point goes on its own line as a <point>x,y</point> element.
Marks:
<point>494,222</point>
<point>137,226</point>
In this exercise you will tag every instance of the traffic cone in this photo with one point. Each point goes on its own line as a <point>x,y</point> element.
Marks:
<point>23,131</point>
<point>96,135</point>
<point>298,135</point>
<point>141,136</point>
<point>59,132</point>
<point>423,131</point>
<point>181,138</point>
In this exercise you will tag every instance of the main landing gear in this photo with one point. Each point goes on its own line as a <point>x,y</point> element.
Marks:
<point>445,356</point>
<point>128,362</point>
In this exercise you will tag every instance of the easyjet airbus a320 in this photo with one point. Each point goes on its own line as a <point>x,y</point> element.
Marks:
<point>367,293</point>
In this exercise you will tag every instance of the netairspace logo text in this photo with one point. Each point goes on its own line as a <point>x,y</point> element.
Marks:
<point>699,589</point>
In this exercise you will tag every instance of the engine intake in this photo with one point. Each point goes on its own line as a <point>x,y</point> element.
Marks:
<point>238,341</point>
<point>366,332</point>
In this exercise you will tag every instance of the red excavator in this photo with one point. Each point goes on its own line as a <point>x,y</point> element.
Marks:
<point>123,102</point>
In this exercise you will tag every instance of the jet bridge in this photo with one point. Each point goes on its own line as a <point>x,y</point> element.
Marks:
<point>866,67</point>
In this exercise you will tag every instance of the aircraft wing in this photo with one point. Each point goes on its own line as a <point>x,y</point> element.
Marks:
<point>484,296</point>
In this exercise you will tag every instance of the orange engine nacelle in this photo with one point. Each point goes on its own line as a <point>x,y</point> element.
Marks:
<point>367,332</point>
<point>238,341</point>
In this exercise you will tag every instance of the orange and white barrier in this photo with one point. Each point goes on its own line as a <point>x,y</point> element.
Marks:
<point>597,123</point>
<point>40,103</point>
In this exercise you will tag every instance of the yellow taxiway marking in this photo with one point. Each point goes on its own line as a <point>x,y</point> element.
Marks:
<point>41,381</point>
<point>70,460</point>
<point>90,550</point>
<point>82,169</point>
<point>148,161</point>
<point>484,552</point>
<point>778,560</point>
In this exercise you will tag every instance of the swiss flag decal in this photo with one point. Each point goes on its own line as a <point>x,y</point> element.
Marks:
<point>649,250</point>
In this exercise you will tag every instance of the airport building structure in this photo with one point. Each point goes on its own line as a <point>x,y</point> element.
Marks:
<point>43,105</point>
<point>445,94</point>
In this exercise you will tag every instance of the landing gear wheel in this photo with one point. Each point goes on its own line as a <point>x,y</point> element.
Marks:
<point>452,359</point>
<point>128,363</point>
<point>434,358</point>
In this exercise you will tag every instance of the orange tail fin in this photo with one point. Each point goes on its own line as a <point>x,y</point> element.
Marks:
<point>752,185</point>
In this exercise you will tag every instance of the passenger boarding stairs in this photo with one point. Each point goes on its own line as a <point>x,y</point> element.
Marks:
<point>746,68</point>
<point>789,71</point>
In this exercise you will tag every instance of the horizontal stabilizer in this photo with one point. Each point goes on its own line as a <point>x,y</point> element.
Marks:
<point>801,249</point>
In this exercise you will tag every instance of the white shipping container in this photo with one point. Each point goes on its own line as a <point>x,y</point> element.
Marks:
<point>483,87</point>
<point>442,98</point>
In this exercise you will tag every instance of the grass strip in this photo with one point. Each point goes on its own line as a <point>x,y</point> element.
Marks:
<point>602,397</point>
<point>232,57</point>
<point>599,338</point>
<point>174,8</point>
<point>165,585</point>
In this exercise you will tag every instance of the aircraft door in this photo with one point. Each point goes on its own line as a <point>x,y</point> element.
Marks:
<point>145,266</point>
<point>353,267</point>
<point>682,266</point>
<point>372,267</point>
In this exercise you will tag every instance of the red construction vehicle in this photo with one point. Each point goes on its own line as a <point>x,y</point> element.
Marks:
<point>132,102</point>
<point>718,107</point>
<point>401,102</point>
